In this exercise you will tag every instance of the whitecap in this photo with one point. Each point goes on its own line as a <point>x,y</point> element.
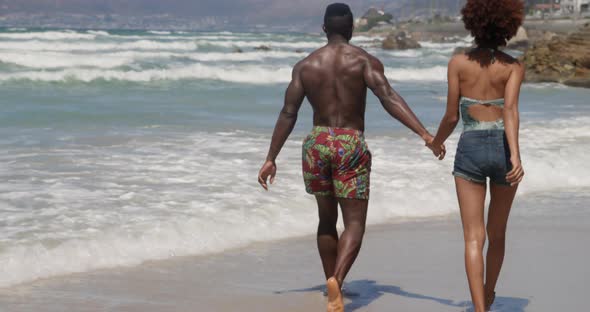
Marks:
<point>156,32</point>
<point>436,73</point>
<point>48,35</point>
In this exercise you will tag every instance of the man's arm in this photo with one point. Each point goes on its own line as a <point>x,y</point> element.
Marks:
<point>393,103</point>
<point>286,122</point>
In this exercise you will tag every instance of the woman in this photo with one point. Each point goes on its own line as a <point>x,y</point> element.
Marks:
<point>484,84</point>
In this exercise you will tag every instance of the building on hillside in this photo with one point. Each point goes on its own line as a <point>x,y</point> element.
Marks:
<point>558,7</point>
<point>575,6</point>
<point>546,7</point>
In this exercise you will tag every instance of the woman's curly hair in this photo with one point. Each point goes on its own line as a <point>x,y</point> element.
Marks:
<point>493,22</point>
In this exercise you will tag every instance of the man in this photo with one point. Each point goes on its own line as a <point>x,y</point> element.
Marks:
<point>336,160</point>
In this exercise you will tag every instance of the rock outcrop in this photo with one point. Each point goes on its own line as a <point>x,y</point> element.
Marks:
<point>538,35</point>
<point>520,41</point>
<point>400,41</point>
<point>562,59</point>
<point>372,19</point>
<point>435,37</point>
<point>263,48</point>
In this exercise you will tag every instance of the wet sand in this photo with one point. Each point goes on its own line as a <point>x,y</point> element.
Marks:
<point>416,266</point>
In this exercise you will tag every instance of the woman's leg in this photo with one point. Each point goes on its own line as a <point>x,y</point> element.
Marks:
<point>471,202</point>
<point>500,204</point>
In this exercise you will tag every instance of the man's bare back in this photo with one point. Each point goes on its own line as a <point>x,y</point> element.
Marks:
<point>333,80</point>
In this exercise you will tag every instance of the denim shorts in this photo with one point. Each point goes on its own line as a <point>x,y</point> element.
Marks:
<point>483,154</point>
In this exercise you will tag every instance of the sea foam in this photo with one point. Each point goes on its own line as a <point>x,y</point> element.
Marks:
<point>250,74</point>
<point>50,59</point>
<point>49,35</point>
<point>191,195</point>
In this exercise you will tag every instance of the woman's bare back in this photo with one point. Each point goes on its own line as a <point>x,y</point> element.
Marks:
<point>483,76</point>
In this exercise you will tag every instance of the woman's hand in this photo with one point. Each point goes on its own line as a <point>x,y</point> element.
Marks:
<point>515,176</point>
<point>268,169</point>
<point>439,150</point>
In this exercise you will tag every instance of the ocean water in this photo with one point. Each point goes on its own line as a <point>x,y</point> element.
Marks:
<point>121,147</point>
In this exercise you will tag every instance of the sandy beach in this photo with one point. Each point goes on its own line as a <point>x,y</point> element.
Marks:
<point>412,266</point>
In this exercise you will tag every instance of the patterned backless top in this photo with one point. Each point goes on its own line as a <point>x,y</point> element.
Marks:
<point>471,124</point>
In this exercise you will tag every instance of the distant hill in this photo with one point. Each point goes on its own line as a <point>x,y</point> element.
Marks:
<point>246,11</point>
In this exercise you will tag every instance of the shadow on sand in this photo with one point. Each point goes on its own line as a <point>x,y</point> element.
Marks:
<point>363,292</point>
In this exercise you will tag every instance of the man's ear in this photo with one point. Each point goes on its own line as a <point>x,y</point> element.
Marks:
<point>324,28</point>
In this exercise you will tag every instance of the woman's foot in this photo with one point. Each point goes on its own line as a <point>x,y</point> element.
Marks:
<point>335,303</point>
<point>490,297</point>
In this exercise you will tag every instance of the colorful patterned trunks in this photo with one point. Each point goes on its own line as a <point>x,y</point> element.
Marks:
<point>336,162</point>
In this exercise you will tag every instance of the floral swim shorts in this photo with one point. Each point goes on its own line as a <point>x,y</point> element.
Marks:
<point>336,162</point>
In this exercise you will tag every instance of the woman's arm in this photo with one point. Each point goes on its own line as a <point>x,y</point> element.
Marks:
<point>512,122</point>
<point>451,117</point>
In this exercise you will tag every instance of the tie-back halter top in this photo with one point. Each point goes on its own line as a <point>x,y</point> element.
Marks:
<point>471,124</point>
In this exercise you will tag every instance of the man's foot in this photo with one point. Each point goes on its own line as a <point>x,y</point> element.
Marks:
<point>490,300</point>
<point>346,293</point>
<point>335,302</point>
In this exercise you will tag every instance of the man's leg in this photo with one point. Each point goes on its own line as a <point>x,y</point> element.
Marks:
<point>354,214</point>
<point>327,234</point>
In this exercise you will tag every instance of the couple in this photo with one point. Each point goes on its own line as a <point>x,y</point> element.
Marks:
<point>483,88</point>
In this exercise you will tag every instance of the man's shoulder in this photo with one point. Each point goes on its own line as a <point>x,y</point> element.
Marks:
<point>314,58</point>
<point>362,53</point>
<point>366,59</point>
<point>370,59</point>
<point>348,49</point>
<point>301,64</point>
<point>309,59</point>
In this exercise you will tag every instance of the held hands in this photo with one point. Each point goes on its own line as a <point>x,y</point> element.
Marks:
<point>515,176</point>
<point>268,169</point>
<point>439,150</point>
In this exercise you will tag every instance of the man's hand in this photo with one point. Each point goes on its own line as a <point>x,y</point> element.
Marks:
<point>268,169</point>
<point>439,150</point>
<point>515,176</point>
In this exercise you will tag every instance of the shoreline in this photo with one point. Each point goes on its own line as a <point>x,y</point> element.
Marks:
<point>411,266</point>
<point>231,250</point>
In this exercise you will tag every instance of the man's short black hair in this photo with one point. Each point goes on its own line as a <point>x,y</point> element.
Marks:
<point>337,10</point>
<point>339,20</point>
